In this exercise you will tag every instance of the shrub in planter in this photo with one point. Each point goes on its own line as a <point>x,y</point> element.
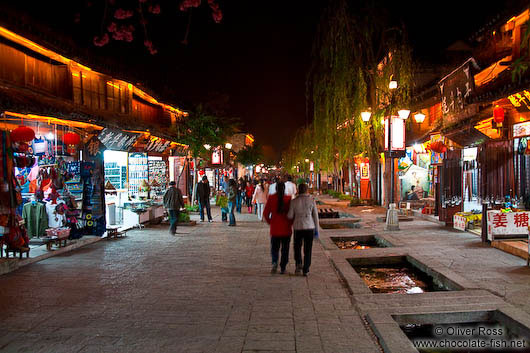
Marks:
<point>194,208</point>
<point>345,197</point>
<point>184,217</point>
<point>355,202</point>
<point>333,193</point>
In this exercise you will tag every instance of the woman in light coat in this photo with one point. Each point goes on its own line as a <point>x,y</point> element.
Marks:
<point>304,213</point>
<point>260,198</point>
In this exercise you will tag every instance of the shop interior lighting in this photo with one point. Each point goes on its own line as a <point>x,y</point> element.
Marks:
<point>419,117</point>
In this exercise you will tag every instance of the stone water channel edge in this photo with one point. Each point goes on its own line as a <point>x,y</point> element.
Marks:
<point>441,252</point>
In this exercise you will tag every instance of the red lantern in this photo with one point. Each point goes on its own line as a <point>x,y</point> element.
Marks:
<point>71,138</point>
<point>201,172</point>
<point>438,147</point>
<point>498,115</point>
<point>22,134</point>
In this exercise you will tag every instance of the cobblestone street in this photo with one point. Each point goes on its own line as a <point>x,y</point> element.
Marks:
<point>209,289</point>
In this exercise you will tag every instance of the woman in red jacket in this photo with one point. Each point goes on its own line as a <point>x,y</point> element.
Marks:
<point>275,214</point>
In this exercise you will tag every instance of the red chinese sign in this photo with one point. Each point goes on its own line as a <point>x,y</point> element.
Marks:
<point>507,224</point>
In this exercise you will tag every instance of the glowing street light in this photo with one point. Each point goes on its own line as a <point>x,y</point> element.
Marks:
<point>366,116</point>
<point>404,114</point>
<point>228,146</point>
<point>419,117</point>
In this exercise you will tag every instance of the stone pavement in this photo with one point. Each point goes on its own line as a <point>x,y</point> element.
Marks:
<point>206,290</point>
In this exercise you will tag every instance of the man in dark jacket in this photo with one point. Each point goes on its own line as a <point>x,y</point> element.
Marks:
<point>173,202</point>
<point>203,195</point>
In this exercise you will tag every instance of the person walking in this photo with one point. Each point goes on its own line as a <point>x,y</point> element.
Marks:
<point>203,193</point>
<point>275,214</point>
<point>249,191</point>
<point>304,214</point>
<point>224,215</point>
<point>173,202</point>
<point>232,195</point>
<point>290,187</point>
<point>260,198</point>
<point>240,194</point>
<point>272,186</point>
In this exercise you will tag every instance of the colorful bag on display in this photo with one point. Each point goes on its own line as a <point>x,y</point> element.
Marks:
<point>40,147</point>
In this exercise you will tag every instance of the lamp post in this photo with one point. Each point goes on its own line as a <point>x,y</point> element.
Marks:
<point>392,220</point>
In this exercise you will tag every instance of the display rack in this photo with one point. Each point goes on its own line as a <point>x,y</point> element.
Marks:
<point>158,178</point>
<point>138,171</point>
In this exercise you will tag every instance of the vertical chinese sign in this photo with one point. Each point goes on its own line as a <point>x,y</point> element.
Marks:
<point>455,90</point>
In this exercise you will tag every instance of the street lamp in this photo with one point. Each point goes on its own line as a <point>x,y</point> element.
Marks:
<point>392,84</point>
<point>404,114</point>
<point>366,115</point>
<point>419,117</point>
<point>228,146</point>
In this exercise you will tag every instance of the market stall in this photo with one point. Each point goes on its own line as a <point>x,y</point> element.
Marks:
<point>56,193</point>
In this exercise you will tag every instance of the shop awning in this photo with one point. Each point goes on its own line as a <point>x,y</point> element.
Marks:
<point>467,137</point>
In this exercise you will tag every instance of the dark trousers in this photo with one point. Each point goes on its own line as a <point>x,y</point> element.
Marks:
<point>276,244</point>
<point>303,237</point>
<point>202,205</point>
<point>173,220</point>
<point>239,201</point>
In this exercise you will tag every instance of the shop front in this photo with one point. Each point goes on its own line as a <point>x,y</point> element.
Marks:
<point>137,173</point>
<point>57,178</point>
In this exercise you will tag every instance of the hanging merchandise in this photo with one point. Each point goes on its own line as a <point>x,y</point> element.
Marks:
<point>35,218</point>
<point>40,146</point>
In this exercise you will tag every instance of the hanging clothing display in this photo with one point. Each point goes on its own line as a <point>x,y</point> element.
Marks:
<point>56,215</point>
<point>35,218</point>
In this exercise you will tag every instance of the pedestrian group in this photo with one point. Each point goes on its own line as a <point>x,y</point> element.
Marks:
<point>286,210</point>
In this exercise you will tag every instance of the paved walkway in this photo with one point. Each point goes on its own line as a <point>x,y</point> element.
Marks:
<point>206,290</point>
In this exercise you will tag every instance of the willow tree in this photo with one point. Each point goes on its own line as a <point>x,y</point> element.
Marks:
<point>355,52</point>
<point>330,85</point>
<point>381,54</point>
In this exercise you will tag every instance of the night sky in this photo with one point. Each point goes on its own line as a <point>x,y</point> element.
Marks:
<point>253,64</point>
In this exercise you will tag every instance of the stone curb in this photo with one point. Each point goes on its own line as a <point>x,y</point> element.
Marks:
<point>12,264</point>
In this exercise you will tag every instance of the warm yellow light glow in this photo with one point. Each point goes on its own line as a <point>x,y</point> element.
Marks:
<point>419,117</point>
<point>393,84</point>
<point>113,85</point>
<point>228,145</point>
<point>404,114</point>
<point>307,160</point>
<point>51,120</point>
<point>57,57</point>
<point>207,146</point>
<point>366,115</point>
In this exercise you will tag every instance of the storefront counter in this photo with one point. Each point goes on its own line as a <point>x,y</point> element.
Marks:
<point>507,224</point>
<point>139,212</point>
